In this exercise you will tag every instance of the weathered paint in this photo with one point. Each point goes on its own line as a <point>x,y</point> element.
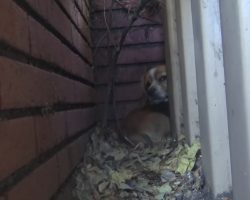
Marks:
<point>188,71</point>
<point>211,95</point>
<point>235,17</point>
<point>173,65</point>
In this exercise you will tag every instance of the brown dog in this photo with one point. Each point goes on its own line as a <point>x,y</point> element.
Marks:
<point>150,124</point>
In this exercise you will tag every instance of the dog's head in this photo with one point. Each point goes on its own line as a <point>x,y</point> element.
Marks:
<point>155,84</point>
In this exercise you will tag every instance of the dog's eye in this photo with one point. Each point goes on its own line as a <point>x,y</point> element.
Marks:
<point>163,78</point>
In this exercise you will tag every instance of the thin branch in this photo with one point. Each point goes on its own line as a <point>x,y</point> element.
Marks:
<point>110,98</point>
<point>106,23</point>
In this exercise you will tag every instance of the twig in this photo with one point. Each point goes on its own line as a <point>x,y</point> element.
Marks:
<point>113,68</point>
<point>106,22</point>
<point>108,33</point>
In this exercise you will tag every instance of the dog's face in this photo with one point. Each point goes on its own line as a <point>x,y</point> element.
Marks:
<point>155,84</point>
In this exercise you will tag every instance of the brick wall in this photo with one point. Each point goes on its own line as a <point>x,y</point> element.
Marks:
<point>144,47</point>
<point>47,94</point>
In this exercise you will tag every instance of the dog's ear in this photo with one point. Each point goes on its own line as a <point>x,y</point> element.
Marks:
<point>144,97</point>
<point>145,76</point>
<point>143,79</point>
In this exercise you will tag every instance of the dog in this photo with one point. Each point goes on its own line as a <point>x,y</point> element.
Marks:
<point>150,124</point>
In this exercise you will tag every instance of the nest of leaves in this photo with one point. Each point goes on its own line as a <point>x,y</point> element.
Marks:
<point>113,171</point>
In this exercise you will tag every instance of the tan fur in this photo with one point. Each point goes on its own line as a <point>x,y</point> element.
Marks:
<point>152,81</point>
<point>146,125</point>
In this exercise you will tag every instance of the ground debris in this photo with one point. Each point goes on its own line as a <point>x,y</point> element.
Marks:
<point>112,171</point>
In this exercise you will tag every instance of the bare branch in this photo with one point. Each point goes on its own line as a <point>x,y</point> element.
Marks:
<point>110,97</point>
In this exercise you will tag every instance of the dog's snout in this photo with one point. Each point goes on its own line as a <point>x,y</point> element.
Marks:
<point>152,91</point>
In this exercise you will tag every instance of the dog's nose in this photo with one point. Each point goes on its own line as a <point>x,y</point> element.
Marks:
<point>152,91</point>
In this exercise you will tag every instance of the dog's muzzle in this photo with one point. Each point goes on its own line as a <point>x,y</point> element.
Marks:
<point>157,97</point>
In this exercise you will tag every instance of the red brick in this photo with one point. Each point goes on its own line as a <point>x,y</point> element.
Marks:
<point>123,92</point>
<point>41,184</point>
<point>99,5</point>
<point>64,89</point>
<point>83,26</point>
<point>59,53</point>
<point>14,22</point>
<point>134,54</point>
<point>23,85</point>
<point>121,19</point>
<point>83,141</point>
<point>33,4</point>
<point>59,20</point>
<point>47,47</point>
<point>50,130</point>
<point>129,92</point>
<point>59,126</point>
<point>99,112</point>
<point>72,63</point>
<point>70,91</point>
<point>78,19</point>
<point>70,8</point>
<point>137,35</point>
<point>64,164</point>
<point>77,149</point>
<point>154,53</point>
<point>76,38</point>
<point>43,8</point>
<point>87,3</point>
<point>84,93</point>
<point>81,44</point>
<point>42,43</point>
<point>80,3</point>
<point>45,136</point>
<point>122,109</point>
<point>80,68</point>
<point>64,57</point>
<point>125,74</point>
<point>78,120</point>
<point>17,144</point>
<point>86,11</point>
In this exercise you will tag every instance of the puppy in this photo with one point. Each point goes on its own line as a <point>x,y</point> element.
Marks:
<point>150,124</point>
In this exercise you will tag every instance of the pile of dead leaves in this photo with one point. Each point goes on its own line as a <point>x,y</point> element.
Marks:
<point>112,171</point>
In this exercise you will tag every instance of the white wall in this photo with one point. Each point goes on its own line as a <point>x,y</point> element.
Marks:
<point>211,94</point>
<point>173,66</point>
<point>235,15</point>
<point>223,85</point>
<point>188,71</point>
